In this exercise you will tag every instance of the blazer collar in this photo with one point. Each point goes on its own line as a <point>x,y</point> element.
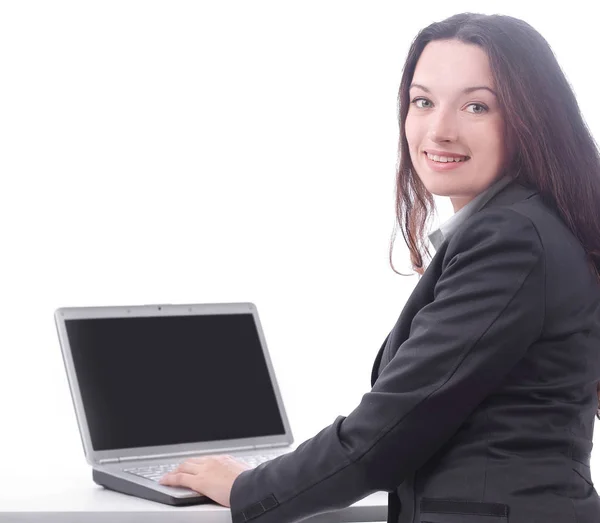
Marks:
<point>514,192</point>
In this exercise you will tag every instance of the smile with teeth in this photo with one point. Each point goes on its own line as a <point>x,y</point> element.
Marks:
<point>445,159</point>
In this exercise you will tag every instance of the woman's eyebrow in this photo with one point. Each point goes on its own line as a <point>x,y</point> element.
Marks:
<point>465,91</point>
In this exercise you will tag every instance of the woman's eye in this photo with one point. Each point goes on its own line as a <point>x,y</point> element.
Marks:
<point>482,108</point>
<point>417,100</point>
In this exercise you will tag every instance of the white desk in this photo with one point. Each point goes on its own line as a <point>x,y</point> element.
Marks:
<point>72,496</point>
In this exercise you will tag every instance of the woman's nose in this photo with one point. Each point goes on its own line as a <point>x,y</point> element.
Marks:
<point>443,126</point>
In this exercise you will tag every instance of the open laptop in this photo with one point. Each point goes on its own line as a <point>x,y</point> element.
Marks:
<point>153,385</point>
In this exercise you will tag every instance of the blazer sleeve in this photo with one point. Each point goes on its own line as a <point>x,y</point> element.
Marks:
<point>488,308</point>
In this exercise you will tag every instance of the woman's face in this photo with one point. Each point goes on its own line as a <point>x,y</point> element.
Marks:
<point>443,116</point>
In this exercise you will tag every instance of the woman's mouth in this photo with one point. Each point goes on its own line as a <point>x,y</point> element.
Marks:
<point>445,166</point>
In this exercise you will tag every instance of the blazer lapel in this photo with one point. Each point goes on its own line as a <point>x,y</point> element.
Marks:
<point>423,291</point>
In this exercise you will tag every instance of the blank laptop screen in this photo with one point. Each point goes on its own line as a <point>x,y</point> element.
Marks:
<point>172,379</point>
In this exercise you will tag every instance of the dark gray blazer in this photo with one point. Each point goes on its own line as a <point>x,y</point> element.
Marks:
<point>483,394</point>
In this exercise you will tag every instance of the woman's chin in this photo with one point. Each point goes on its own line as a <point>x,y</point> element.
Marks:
<point>443,186</point>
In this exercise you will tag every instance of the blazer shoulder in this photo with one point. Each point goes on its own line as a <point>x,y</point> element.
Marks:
<point>497,229</point>
<point>550,226</point>
<point>530,203</point>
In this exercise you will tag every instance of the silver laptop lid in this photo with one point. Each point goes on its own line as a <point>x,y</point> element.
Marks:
<point>161,380</point>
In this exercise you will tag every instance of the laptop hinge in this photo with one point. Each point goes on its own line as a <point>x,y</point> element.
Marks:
<point>111,460</point>
<point>173,454</point>
<point>269,445</point>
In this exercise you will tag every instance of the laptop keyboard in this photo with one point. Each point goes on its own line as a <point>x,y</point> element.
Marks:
<point>155,472</point>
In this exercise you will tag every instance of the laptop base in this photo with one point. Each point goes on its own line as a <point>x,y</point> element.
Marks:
<point>133,489</point>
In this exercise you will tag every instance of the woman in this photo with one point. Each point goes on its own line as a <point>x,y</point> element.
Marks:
<point>484,392</point>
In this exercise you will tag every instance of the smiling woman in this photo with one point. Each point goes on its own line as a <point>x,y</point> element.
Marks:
<point>463,92</point>
<point>484,392</point>
<point>458,118</point>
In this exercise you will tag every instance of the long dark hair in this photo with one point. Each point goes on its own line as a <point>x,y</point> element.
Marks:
<point>548,145</point>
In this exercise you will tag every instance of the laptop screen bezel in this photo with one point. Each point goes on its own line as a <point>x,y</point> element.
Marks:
<point>94,457</point>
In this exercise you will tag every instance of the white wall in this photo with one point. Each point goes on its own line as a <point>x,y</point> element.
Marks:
<point>181,152</point>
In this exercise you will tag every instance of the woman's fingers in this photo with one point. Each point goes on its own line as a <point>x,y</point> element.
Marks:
<point>184,468</point>
<point>194,471</point>
<point>188,466</point>
<point>178,479</point>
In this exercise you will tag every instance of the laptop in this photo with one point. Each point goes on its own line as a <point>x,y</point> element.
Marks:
<point>154,385</point>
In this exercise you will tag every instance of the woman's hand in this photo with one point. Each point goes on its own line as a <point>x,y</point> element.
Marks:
<point>212,476</point>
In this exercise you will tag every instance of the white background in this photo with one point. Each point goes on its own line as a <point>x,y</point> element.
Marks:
<point>192,152</point>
